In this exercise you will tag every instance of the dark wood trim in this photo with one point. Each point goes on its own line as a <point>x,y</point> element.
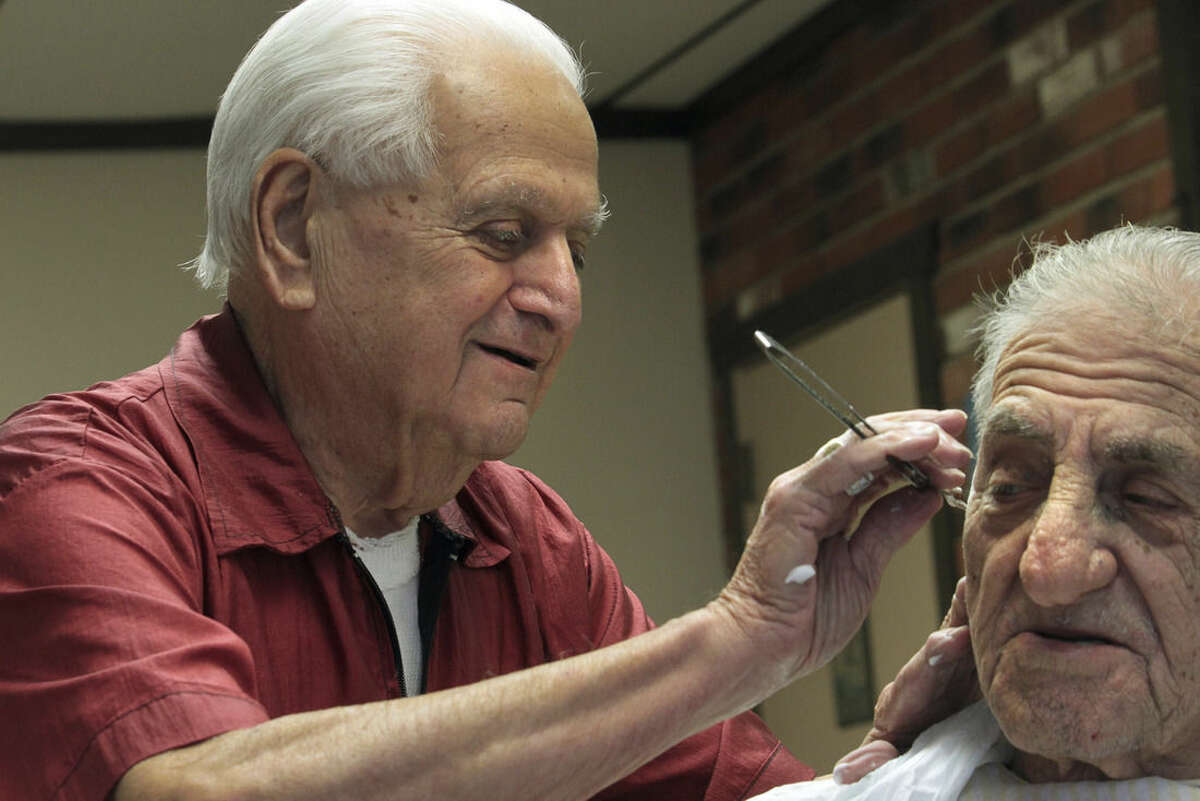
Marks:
<point>186,132</point>
<point>1179,42</point>
<point>930,347</point>
<point>193,132</point>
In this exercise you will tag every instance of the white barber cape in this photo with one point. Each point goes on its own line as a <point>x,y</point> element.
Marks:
<point>963,759</point>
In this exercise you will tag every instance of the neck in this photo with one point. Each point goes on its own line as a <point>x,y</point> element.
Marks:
<point>375,486</point>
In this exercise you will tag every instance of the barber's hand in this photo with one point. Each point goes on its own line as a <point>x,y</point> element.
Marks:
<point>937,682</point>
<point>797,625</point>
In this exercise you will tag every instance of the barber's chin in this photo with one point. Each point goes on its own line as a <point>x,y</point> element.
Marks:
<point>504,432</point>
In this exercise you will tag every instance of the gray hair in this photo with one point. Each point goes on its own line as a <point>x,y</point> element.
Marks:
<point>1150,275</point>
<point>347,82</point>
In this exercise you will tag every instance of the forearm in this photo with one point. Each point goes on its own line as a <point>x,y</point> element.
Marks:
<point>560,731</point>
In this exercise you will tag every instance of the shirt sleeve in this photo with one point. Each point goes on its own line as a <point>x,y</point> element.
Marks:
<point>733,760</point>
<point>109,658</point>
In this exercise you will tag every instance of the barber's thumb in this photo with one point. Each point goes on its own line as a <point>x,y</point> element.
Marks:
<point>862,760</point>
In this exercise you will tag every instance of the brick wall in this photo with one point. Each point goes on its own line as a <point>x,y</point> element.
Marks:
<point>994,120</point>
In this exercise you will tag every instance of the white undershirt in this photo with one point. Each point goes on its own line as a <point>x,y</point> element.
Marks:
<point>394,561</point>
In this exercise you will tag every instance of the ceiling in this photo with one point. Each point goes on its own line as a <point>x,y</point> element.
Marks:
<point>143,60</point>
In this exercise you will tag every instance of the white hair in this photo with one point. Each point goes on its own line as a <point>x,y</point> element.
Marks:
<point>347,82</point>
<point>1150,276</point>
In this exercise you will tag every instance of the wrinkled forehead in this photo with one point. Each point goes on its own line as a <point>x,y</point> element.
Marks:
<point>1137,392</point>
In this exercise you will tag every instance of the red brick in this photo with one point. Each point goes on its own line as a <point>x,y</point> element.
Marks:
<point>857,205</point>
<point>1076,178</point>
<point>792,203</point>
<point>1014,19</point>
<point>1137,148</point>
<point>1105,110</point>
<point>1139,39</point>
<point>981,91</point>
<point>931,119</point>
<point>846,249</point>
<point>981,273</point>
<point>1008,119</point>
<point>958,56</point>
<point>1101,18</point>
<point>1149,195</point>
<point>1072,225</point>
<point>854,119</point>
<point>718,149</point>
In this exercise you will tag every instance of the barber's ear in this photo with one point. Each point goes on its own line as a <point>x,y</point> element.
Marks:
<point>284,196</point>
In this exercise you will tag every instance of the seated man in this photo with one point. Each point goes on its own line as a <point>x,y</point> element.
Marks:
<point>1082,538</point>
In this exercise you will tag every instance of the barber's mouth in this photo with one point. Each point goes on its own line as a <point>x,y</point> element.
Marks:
<point>508,355</point>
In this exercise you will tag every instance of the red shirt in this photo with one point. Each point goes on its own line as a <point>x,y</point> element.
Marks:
<point>170,570</point>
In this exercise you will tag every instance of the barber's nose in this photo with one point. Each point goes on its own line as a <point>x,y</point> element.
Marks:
<point>1066,556</point>
<point>546,284</point>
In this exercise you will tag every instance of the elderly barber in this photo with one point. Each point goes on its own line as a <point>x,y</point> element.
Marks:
<point>257,568</point>
<point>1082,538</point>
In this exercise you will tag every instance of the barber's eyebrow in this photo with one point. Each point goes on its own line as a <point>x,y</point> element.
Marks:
<point>526,198</point>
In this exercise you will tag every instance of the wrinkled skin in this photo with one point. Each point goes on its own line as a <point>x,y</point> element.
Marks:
<point>1082,544</point>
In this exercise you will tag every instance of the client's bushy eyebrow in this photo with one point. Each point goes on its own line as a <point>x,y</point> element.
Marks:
<point>1136,449</point>
<point>1008,423</point>
<point>1124,449</point>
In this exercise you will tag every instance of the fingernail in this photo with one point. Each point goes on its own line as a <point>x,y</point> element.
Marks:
<point>800,574</point>
<point>855,766</point>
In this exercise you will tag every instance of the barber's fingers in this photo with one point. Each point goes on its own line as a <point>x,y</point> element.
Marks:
<point>840,465</point>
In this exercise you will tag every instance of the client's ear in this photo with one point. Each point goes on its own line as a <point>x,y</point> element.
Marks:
<point>283,199</point>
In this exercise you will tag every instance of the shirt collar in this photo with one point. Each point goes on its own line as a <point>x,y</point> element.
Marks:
<point>258,488</point>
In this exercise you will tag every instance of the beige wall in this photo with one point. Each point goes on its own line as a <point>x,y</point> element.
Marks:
<point>88,244</point>
<point>91,291</point>
<point>626,435</point>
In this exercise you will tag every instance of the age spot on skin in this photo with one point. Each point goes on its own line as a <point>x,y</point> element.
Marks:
<point>413,198</point>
